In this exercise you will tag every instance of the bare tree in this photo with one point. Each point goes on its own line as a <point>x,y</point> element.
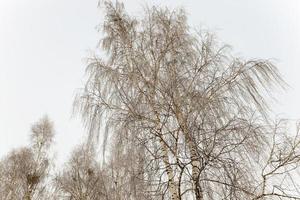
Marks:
<point>199,114</point>
<point>82,178</point>
<point>24,171</point>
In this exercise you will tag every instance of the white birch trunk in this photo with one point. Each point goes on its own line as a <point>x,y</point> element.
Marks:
<point>172,184</point>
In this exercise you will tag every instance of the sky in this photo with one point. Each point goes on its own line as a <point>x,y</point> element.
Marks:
<point>44,45</point>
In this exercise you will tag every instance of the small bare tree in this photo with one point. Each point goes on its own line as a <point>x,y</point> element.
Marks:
<point>24,171</point>
<point>199,114</point>
<point>82,178</point>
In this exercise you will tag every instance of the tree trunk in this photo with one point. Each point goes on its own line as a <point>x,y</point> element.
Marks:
<point>196,164</point>
<point>172,185</point>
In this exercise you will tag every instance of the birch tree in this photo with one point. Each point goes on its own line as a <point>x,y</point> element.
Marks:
<point>24,171</point>
<point>200,114</point>
<point>82,178</point>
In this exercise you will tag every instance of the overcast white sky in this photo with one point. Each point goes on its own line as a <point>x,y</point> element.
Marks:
<point>43,44</point>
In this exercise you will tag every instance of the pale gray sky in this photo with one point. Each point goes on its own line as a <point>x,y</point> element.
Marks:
<point>43,44</point>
